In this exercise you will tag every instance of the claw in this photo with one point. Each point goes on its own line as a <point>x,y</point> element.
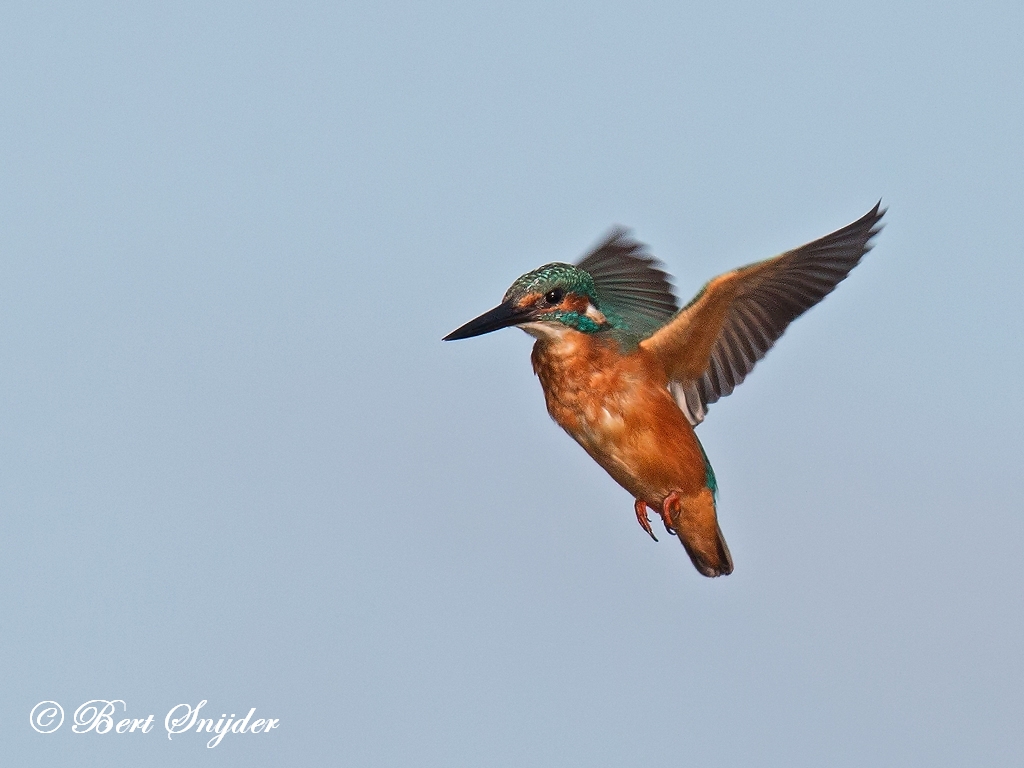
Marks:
<point>672,500</point>
<point>641,515</point>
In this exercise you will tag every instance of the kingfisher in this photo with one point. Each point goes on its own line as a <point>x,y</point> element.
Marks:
<point>629,375</point>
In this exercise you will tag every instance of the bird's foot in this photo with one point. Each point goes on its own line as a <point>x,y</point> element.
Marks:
<point>641,515</point>
<point>670,504</point>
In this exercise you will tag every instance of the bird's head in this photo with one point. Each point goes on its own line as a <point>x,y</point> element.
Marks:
<point>544,302</point>
<point>617,290</point>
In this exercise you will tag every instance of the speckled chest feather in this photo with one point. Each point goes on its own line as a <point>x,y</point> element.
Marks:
<point>618,408</point>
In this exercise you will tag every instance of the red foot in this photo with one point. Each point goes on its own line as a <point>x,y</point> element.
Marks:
<point>671,501</point>
<point>641,515</point>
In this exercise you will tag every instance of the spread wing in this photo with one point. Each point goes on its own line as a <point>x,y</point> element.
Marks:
<point>631,286</point>
<point>711,344</point>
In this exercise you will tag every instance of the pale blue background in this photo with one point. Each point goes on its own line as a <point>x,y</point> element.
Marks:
<point>238,464</point>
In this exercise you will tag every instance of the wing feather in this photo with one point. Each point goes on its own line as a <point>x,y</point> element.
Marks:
<point>631,285</point>
<point>710,345</point>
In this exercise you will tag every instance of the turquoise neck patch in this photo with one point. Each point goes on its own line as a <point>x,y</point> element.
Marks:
<point>576,320</point>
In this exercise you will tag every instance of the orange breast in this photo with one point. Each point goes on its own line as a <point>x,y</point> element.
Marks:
<point>619,409</point>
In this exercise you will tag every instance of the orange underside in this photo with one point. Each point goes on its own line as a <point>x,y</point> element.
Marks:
<point>619,409</point>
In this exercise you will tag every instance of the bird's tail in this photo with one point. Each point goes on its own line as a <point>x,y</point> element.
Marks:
<point>696,524</point>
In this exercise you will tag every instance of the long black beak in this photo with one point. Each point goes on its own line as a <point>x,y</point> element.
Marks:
<point>502,316</point>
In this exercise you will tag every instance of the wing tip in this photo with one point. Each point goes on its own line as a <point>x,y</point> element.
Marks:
<point>620,238</point>
<point>874,219</point>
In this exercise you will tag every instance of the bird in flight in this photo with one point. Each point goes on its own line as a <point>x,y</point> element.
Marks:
<point>629,375</point>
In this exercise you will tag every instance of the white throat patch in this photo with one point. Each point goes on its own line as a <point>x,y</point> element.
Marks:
<point>543,330</point>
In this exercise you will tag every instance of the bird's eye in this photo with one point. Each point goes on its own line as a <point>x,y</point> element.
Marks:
<point>554,296</point>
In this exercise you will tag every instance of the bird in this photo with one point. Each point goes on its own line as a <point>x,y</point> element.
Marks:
<point>629,375</point>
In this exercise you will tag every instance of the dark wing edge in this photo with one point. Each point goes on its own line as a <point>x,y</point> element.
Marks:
<point>630,282</point>
<point>778,291</point>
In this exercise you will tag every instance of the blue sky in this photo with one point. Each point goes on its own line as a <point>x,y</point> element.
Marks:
<point>237,463</point>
